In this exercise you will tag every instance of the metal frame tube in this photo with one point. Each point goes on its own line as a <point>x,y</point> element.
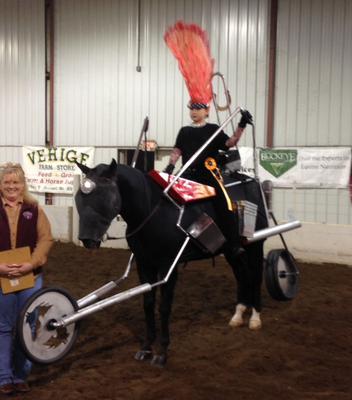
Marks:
<point>167,276</point>
<point>255,158</point>
<point>266,209</point>
<point>143,132</point>
<point>239,182</point>
<point>97,294</point>
<point>117,298</point>
<point>274,230</point>
<point>102,291</point>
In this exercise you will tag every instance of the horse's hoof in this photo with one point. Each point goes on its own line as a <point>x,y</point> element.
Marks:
<point>143,355</point>
<point>255,324</point>
<point>236,322</point>
<point>159,360</point>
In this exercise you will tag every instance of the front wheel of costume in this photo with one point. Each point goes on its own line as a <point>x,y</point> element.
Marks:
<point>41,342</point>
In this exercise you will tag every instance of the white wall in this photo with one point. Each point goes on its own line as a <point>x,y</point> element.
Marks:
<point>101,99</point>
<point>314,73</point>
<point>313,97</point>
<point>319,243</point>
<point>22,73</point>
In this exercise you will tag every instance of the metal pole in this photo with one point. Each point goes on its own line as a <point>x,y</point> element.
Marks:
<point>75,216</point>
<point>179,254</point>
<point>102,291</point>
<point>275,230</point>
<point>144,130</point>
<point>117,298</point>
<point>255,159</point>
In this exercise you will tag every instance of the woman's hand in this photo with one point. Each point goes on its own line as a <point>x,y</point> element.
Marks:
<point>18,270</point>
<point>5,269</point>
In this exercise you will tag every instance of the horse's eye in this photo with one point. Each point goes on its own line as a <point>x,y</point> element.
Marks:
<point>87,185</point>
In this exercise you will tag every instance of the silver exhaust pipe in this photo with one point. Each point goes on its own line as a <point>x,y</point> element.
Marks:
<point>274,230</point>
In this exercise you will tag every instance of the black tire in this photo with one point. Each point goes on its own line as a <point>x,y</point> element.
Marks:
<point>41,343</point>
<point>281,275</point>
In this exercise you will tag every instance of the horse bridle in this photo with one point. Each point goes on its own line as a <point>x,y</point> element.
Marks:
<point>139,227</point>
<point>88,185</point>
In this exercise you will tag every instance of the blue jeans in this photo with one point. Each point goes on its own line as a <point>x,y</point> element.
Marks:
<point>14,365</point>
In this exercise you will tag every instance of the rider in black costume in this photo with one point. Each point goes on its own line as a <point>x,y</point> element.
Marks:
<point>189,139</point>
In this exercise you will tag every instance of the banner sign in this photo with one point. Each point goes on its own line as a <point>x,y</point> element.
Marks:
<point>51,169</point>
<point>306,167</point>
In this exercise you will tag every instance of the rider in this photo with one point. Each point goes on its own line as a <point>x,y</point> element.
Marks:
<point>189,139</point>
<point>190,45</point>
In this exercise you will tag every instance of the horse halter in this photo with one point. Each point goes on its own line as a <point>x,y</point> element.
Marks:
<point>87,185</point>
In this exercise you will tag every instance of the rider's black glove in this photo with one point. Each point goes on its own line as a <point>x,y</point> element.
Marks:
<point>245,119</point>
<point>169,169</point>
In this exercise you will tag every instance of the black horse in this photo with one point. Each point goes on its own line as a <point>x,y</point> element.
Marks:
<point>155,239</point>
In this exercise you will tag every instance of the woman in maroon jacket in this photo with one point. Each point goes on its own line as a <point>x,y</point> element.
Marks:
<point>22,223</point>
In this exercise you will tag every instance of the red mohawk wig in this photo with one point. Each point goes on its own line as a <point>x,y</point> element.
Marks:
<point>190,45</point>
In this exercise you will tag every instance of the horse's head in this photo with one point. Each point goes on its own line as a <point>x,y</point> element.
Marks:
<point>98,202</point>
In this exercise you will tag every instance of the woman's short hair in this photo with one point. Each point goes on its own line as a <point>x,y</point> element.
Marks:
<point>16,168</point>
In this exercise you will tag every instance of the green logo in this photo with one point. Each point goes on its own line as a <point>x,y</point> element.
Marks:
<point>277,162</point>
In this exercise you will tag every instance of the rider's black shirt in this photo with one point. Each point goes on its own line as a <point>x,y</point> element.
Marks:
<point>190,139</point>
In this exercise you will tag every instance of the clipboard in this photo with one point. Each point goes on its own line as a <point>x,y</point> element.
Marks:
<point>16,256</point>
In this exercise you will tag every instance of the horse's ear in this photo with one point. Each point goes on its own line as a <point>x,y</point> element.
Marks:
<point>113,167</point>
<point>82,167</point>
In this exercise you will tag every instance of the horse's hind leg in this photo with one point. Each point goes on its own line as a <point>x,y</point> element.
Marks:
<point>248,270</point>
<point>167,295</point>
<point>256,261</point>
<point>255,268</point>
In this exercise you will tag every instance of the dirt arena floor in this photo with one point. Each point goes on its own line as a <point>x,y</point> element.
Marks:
<point>303,351</point>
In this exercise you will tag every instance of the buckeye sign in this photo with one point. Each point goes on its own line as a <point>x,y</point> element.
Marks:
<point>306,167</point>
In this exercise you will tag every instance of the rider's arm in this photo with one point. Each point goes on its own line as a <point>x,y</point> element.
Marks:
<point>245,119</point>
<point>174,156</point>
<point>233,140</point>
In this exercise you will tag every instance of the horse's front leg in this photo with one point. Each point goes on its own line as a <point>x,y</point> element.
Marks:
<point>148,276</point>
<point>167,295</point>
<point>146,351</point>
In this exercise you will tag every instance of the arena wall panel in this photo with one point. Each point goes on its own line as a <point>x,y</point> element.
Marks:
<point>313,96</point>
<point>101,98</point>
<point>314,73</point>
<point>22,72</point>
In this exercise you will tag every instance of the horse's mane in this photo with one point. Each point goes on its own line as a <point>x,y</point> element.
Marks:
<point>138,183</point>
